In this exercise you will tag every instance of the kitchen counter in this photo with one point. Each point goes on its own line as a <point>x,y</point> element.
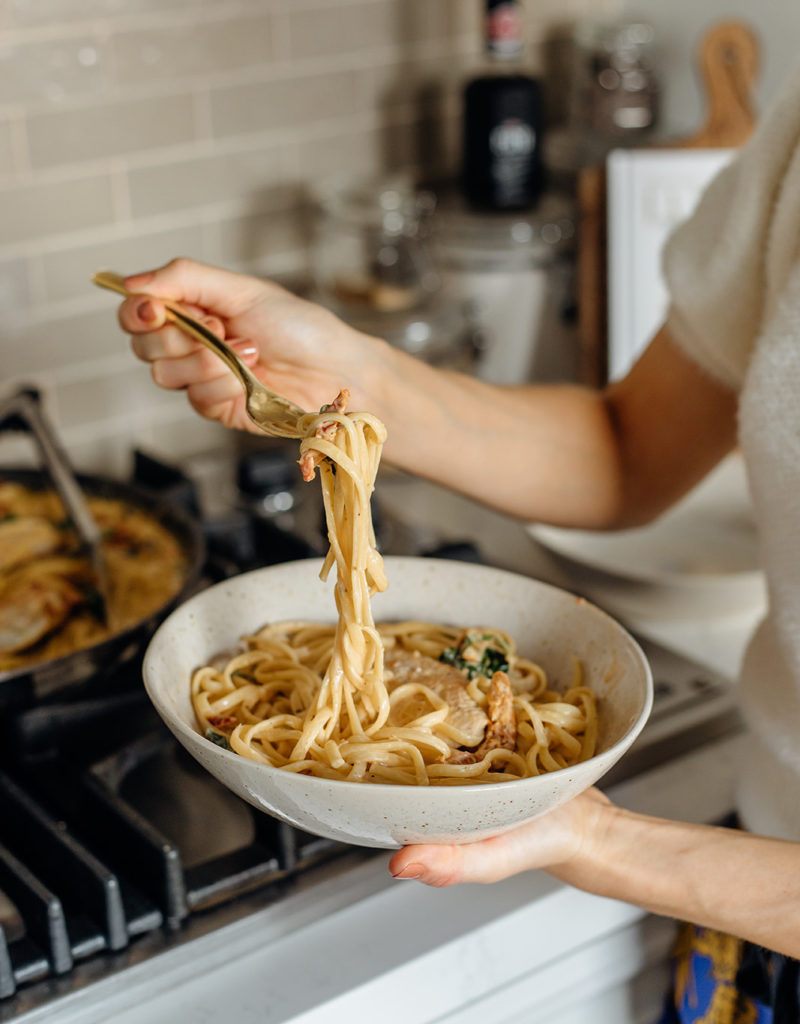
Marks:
<point>342,946</point>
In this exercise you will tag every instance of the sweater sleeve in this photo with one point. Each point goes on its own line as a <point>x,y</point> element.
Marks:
<point>726,262</point>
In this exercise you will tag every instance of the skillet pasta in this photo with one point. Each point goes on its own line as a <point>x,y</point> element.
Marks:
<point>48,599</point>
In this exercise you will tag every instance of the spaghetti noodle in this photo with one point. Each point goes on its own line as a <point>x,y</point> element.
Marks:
<point>404,703</point>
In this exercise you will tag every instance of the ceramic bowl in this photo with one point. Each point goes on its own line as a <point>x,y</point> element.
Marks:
<point>550,625</point>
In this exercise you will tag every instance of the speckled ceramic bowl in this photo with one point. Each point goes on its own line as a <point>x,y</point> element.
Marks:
<point>549,625</point>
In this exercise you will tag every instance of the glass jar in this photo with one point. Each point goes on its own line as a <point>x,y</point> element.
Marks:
<point>615,91</point>
<point>373,265</point>
<point>515,271</point>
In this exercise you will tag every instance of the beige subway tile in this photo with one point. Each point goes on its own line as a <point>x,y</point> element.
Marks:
<point>422,86</point>
<point>52,68</point>
<point>107,448</point>
<point>183,435</point>
<point>262,239</point>
<point>344,29</point>
<point>96,131</point>
<point>282,103</point>
<point>199,49</point>
<point>67,272</point>
<point>105,396</point>
<point>35,13</point>
<point>37,211</point>
<point>7,159</point>
<point>14,285</point>
<point>256,177</point>
<point>353,153</point>
<point>51,345</point>
<point>467,19</point>
<point>426,21</point>
<point>103,449</point>
<point>17,449</point>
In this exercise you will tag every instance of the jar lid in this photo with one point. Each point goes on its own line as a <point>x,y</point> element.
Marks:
<point>470,239</point>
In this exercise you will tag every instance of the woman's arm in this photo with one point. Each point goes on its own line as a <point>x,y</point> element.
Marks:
<point>557,453</point>
<point>563,454</point>
<point>722,878</point>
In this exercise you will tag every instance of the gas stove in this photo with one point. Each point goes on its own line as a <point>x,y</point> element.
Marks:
<point>115,847</point>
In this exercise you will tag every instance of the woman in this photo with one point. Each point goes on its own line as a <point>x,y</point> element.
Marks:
<point>724,370</point>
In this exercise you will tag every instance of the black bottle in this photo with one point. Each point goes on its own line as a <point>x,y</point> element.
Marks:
<point>501,159</point>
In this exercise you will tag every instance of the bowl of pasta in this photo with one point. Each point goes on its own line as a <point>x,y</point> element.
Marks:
<point>413,700</point>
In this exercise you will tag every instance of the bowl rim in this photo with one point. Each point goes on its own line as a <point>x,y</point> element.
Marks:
<point>176,723</point>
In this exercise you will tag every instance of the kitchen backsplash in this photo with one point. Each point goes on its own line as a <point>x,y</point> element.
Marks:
<point>132,131</point>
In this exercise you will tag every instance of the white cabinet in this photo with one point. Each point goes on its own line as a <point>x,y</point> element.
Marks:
<point>619,979</point>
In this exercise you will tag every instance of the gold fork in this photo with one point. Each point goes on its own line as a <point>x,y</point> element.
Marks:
<point>270,411</point>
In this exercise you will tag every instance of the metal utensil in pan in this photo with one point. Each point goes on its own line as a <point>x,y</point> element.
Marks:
<point>270,411</point>
<point>32,682</point>
<point>24,410</point>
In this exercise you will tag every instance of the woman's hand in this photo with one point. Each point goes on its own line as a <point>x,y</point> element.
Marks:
<point>560,842</point>
<point>559,454</point>
<point>295,347</point>
<point>723,878</point>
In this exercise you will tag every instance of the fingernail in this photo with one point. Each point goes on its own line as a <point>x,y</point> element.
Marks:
<point>411,871</point>
<point>245,348</point>
<point>146,311</point>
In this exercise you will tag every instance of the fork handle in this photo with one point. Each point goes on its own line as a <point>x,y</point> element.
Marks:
<point>116,283</point>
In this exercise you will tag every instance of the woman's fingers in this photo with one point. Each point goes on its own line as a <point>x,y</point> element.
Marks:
<point>168,343</point>
<point>487,860</point>
<point>196,366</point>
<point>141,313</point>
<point>550,841</point>
<point>186,281</point>
<point>431,865</point>
<point>138,313</point>
<point>185,371</point>
<point>162,340</point>
<point>222,399</point>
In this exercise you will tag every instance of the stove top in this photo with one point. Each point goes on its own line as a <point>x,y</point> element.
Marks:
<point>115,845</point>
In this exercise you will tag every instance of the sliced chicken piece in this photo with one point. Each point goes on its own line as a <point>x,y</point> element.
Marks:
<point>445,681</point>
<point>31,608</point>
<point>12,497</point>
<point>310,459</point>
<point>25,538</point>
<point>502,728</point>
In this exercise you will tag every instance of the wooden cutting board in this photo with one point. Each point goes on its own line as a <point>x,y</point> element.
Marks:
<point>728,59</point>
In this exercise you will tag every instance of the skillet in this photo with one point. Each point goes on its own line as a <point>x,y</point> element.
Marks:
<point>41,679</point>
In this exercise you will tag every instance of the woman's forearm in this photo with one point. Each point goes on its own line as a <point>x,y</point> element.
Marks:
<point>563,454</point>
<point>717,877</point>
<point>544,452</point>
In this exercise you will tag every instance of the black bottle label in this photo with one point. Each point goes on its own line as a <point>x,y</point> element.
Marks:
<point>501,167</point>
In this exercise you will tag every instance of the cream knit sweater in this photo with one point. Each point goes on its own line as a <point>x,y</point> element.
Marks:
<point>733,275</point>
